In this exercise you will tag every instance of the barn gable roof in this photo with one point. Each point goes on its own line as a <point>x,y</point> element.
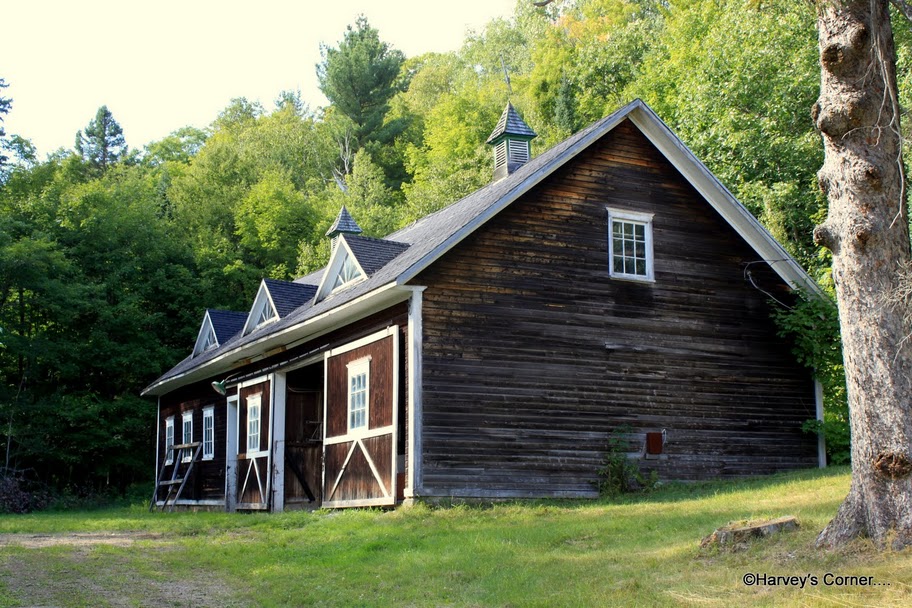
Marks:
<point>420,244</point>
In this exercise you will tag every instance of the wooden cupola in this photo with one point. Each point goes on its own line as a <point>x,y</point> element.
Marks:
<point>344,224</point>
<point>510,139</point>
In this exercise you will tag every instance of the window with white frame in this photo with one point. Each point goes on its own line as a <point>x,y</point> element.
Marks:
<point>208,433</point>
<point>630,245</point>
<point>347,273</point>
<point>254,405</point>
<point>169,439</point>
<point>187,437</point>
<point>358,394</point>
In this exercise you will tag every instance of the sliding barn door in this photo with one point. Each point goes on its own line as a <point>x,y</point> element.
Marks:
<point>253,482</point>
<point>362,395</point>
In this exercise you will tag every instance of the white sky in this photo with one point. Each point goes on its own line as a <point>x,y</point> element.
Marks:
<point>165,64</point>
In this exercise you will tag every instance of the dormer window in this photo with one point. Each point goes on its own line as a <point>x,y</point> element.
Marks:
<point>206,339</point>
<point>347,273</point>
<point>265,314</point>
<point>262,312</point>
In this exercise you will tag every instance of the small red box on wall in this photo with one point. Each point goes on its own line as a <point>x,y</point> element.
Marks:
<point>654,442</point>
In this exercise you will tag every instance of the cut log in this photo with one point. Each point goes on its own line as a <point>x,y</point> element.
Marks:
<point>736,534</point>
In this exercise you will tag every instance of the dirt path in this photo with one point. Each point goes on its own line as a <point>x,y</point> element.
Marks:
<point>122,569</point>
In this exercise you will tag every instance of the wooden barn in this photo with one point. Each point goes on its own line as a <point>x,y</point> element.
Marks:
<point>491,349</point>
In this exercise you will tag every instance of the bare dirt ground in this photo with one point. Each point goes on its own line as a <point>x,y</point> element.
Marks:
<point>102,569</point>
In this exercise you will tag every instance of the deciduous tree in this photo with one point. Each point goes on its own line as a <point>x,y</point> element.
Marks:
<point>867,231</point>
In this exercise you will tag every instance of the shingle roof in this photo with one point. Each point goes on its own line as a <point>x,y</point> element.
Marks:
<point>373,254</point>
<point>510,123</point>
<point>434,234</point>
<point>344,223</point>
<point>226,323</point>
<point>288,296</point>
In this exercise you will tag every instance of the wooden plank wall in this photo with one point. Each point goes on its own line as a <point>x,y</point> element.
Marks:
<point>533,354</point>
<point>207,481</point>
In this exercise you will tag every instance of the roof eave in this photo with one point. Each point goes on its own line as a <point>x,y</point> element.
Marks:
<point>377,299</point>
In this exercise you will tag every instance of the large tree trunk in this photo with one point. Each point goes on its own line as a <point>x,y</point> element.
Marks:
<point>867,231</point>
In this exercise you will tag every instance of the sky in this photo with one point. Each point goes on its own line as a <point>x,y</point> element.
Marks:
<point>163,65</point>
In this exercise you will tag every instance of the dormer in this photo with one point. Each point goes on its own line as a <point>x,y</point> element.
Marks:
<point>263,310</point>
<point>217,328</point>
<point>276,300</point>
<point>510,139</point>
<point>343,268</point>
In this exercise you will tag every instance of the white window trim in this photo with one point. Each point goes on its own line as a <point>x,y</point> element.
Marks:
<point>334,267</point>
<point>356,368</point>
<point>262,300</point>
<point>186,455</point>
<point>209,451</point>
<point>203,343</point>
<point>169,441</point>
<point>258,398</point>
<point>638,218</point>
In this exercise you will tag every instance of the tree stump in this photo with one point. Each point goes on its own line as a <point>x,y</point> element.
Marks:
<point>737,534</point>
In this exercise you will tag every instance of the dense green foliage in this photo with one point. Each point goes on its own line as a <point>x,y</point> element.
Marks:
<point>107,259</point>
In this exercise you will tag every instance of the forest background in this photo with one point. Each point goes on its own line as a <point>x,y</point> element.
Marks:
<point>110,254</point>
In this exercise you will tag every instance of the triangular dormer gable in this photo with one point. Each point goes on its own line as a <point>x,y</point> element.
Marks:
<point>342,271</point>
<point>207,338</point>
<point>218,327</point>
<point>263,311</point>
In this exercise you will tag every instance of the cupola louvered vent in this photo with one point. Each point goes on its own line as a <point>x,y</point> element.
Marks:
<point>519,151</point>
<point>510,139</point>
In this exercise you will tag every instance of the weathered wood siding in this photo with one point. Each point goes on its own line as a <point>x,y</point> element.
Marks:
<point>207,481</point>
<point>533,355</point>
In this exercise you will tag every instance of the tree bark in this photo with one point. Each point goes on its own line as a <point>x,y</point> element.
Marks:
<point>867,231</point>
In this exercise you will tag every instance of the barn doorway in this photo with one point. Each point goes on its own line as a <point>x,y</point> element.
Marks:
<point>304,437</point>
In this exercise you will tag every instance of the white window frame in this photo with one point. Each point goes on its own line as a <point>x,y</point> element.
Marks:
<point>358,368</point>
<point>208,433</point>
<point>254,403</point>
<point>263,312</point>
<point>187,420</point>
<point>636,218</point>
<point>169,439</point>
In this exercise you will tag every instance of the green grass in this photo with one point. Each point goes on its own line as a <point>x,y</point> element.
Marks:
<point>637,551</point>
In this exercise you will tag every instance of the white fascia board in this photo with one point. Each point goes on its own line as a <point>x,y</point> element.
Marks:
<point>207,323</point>
<point>680,156</point>
<point>333,268</point>
<point>262,292</point>
<point>373,301</point>
<point>721,199</point>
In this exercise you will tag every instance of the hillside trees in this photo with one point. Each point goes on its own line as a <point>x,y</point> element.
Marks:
<point>5,104</point>
<point>359,78</point>
<point>92,287</point>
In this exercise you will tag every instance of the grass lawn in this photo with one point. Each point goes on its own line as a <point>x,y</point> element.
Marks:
<point>637,551</point>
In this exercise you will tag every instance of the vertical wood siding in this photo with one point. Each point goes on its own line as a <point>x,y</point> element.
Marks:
<point>533,355</point>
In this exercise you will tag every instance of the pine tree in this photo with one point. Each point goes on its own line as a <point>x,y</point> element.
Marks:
<point>102,143</point>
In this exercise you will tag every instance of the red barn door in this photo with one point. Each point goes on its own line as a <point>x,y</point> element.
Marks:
<point>362,394</point>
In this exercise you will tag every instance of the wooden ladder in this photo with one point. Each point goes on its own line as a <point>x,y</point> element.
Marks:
<point>174,454</point>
